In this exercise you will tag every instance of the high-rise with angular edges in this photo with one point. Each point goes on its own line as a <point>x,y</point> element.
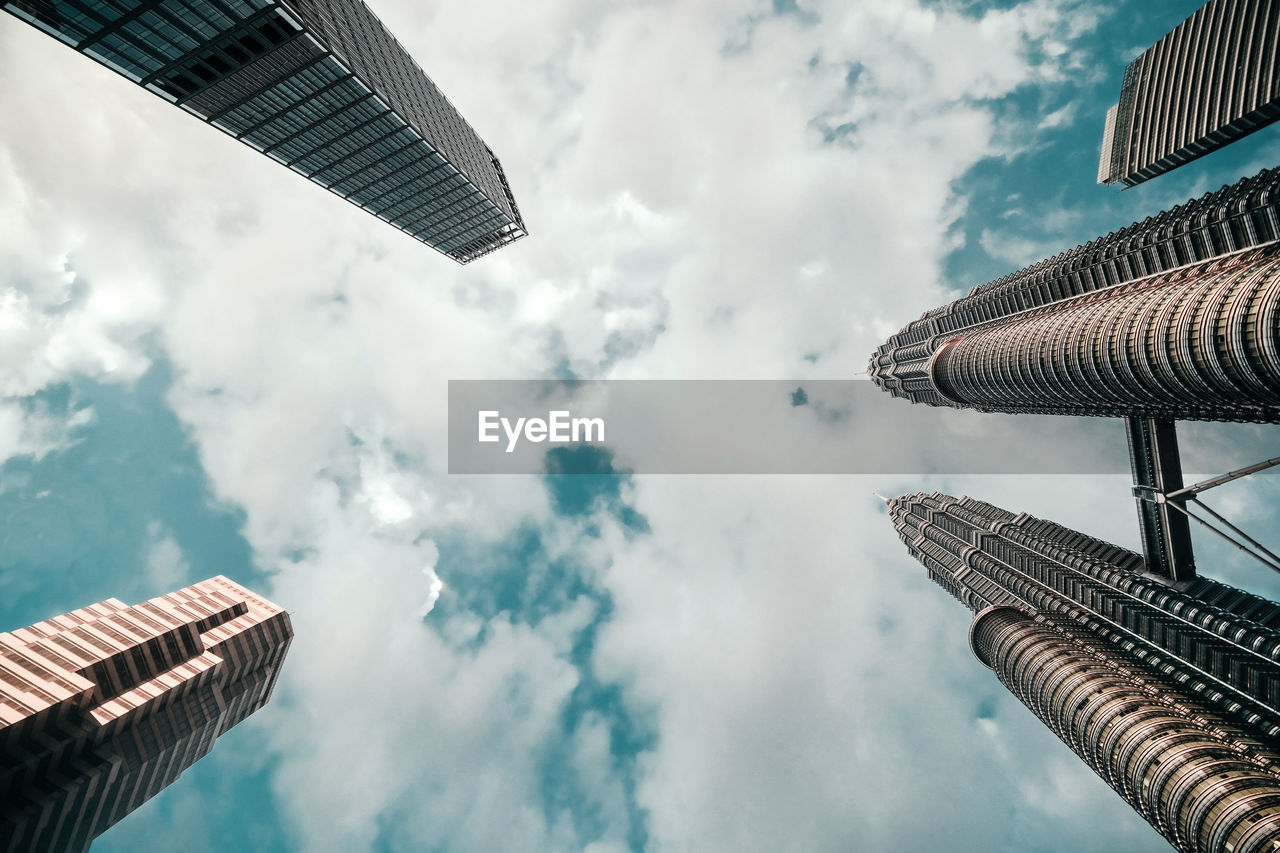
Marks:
<point>103,707</point>
<point>1212,80</point>
<point>320,86</point>
<point>1170,693</point>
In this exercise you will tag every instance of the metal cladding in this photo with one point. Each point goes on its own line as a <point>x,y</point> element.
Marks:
<point>318,85</point>
<point>1169,692</point>
<point>1196,250</point>
<point>1212,80</point>
<point>103,707</point>
<point>1201,782</point>
<point>1221,642</point>
<point>1201,342</point>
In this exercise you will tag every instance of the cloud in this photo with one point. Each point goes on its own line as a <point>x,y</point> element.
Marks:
<point>812,687</point>
<point>1013,250</point>
<point>34,430</point>
<point>167,568</point>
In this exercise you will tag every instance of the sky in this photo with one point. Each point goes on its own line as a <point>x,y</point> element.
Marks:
<point>212,366</point>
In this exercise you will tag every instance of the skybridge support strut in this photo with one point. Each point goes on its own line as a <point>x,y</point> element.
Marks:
<point>1157,473</point>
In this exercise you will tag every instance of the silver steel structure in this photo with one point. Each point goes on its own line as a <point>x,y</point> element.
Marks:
<point>1203,783</point>
<point>1200,342</point>
<point>1212,80</point>
<point>1242,216</point>
<point>1171,693</point>
<point>1221,643</point>
<point>320,86</point>
<point>1175,317</point>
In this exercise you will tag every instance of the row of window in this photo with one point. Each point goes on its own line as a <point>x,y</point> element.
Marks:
<point>302,116</point>
<point>1065,563</point>
<point>282,95</point>
<point>375,55</point>
<point>145,44</point>
<point>1121,350</point>
<point>1244,214</point>
<point>220,58</point>
<point>1202,76</point>
<point>318,119</point>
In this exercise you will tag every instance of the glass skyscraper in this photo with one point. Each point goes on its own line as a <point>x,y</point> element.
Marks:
<point>320,86</point>
<point>1165,683</point>
<point>1176,317</point>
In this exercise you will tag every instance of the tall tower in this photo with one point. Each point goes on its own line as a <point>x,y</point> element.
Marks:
<point>1176,317</point>
<point>103,707</point>
<point>1173,318</point>
<point>1170,694</point>
<point>1164,683</point>
<point>1199,342</point>
<point>1212,80</point>
<point>320,86</point>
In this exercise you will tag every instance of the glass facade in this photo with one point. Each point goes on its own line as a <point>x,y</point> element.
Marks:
<point>1219,642</point>
<point>1201,782</point>
<point>1214,353</point>
<point>321,87</point>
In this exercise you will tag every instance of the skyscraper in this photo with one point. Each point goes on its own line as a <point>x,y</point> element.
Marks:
<point>1170,693</point>
<point>103,707</point>
<point>1173,317</point>
<point>1212,80</point>
<point>1200,342</point>
<point>1164,683</point>
<point>320,86</point>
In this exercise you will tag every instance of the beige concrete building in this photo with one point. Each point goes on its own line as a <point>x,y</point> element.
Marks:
<point>103,707</point>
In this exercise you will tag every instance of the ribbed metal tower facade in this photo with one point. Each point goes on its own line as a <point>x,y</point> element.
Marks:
<point>1176,317</point>
<point>1169,692</point>
<point>1200,342</point>
<point>1204,784</point>
<point>1212,80</point>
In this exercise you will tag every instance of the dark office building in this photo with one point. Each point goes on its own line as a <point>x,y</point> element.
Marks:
<point>1168,691</point>
<point>1175,317</point>
<point>318,85</point>
<point>1212,80</point>
<point>103,707</point>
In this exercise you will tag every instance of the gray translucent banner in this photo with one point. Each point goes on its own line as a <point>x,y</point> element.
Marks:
<point>788,427</point>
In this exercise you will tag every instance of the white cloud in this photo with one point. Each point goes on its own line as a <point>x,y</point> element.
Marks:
<point>1014,250</point>
<point>167,566</point>
<point>36,431</point>
<point>813,689</point>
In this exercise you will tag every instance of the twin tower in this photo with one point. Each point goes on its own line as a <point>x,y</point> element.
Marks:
<point>1166,683</point>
